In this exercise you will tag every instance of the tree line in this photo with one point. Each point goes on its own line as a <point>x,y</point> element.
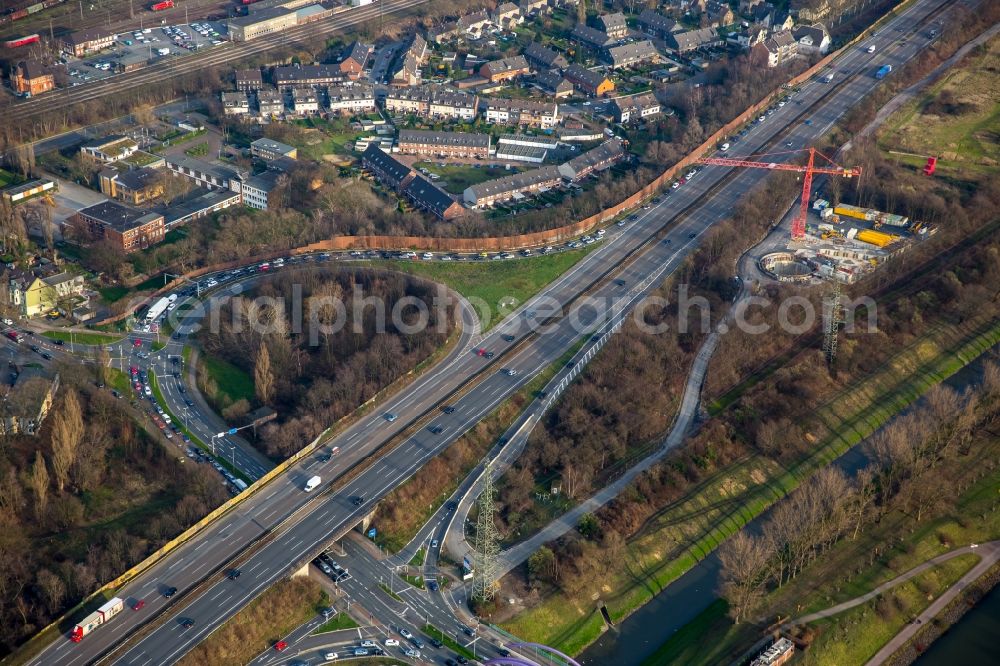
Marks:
<point>89,496</point>
<point>313,383</point>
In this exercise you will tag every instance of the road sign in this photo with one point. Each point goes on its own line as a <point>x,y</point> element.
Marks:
<point>372,532</point>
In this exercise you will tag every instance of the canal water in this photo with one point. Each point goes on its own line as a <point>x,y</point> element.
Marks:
<point>974,640</point>
<point>640,634</point>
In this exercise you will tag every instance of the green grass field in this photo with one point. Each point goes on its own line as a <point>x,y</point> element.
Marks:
<point>958,119</point>
<point>336,623</point>
<point>230,380</point>
<point>83,338</point>
<point>497,287</point>
<point>456,177</point>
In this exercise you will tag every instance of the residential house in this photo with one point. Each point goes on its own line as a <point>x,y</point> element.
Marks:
<point>718,13</point>
<point>407,71</point>
<point>80,43</point>
<point>30,77</point>
<point>777,49</point>
<point>542,57</point>
<point>432,102</point>
<point>505,69</point>
<point>109,148</point>
<point>591,37</point>
<point>812,38</point>
<point>657,25</point>
<point>270,102</point>
<point>34,294</point>
<point>782,23</point>
<point>444,144</point>
<point>507,15</point>
<point>594,160</point>
<point>748,37</point>
<point>635,107</point>
<point>429,197</point>
<point>305,101</point>
<point>136,186</point>
<point>28,401</point>
<point>128,229</point>
<point>475,22</point>
<point>302,76</point>
<point>631,54</point>
<point>613,25</point>
<point>763,13</point>
<point>387,169</point>
<point>552,83</point>
<point>533,6</point>
<point>445,32</point>
<point>235,103</point>
<point>514,186</point>
<point>269,149</point>
<point>354,59</point>
<point>522,112</point>
<point>248,80</point>
<point>588,81</point>
<point>692,40</point>
<point>353,100</point>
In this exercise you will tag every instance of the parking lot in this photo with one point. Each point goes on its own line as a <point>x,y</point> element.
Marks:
<point>141,48</point>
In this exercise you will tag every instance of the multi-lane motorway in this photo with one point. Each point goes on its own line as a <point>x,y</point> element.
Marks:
<point>295,524</point>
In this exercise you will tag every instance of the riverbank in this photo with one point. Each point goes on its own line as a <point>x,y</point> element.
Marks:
<point>684,533</point>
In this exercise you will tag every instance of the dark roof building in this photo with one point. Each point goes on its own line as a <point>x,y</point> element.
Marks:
<point>386,168</point>
<point>355,58</point>
<point>690,40</point>
<point>504,69</point>
<point>553,83</point>
<point>595,159</point>
<point>444,143</point>
<point>613,25</point>
<point>427,196</point>
<point>657,24</point>
<point>627,55</point>
<point>591,37</point>
<point>590,82</point>
<point>635,107</point>
<point>542,57</point>
<point>294,76</point>
<point>249,79</point>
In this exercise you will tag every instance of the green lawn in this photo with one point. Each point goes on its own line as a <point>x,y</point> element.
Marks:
<point>418,558</point>
<point>497,287</point>
<point>415,581</point>
<point>333,135</point>
<point>335,623</point>
<point>231,381</point>
<point>83,338</point>
<point>456,177</point>
<point>7,178</point>
<point>112,294</point>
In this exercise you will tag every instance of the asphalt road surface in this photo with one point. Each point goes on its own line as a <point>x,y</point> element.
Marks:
<point>297,524</point>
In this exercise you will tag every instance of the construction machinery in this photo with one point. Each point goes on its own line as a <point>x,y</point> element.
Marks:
<point>799,223</point>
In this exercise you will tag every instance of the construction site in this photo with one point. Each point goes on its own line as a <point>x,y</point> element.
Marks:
<point>828,241</point>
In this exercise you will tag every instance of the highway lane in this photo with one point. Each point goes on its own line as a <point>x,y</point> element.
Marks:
<point>334,514</point>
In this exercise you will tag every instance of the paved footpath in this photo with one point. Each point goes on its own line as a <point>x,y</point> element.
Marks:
<point>989,554</point>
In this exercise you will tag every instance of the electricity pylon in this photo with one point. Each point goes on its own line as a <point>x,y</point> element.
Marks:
<point>485,582</point>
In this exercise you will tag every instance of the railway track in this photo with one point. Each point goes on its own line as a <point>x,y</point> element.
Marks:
<point>221,55</point>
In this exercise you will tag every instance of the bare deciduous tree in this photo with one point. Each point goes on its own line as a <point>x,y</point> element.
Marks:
<point>67,433</point>
<point>262,374</point>
<point>38,481</point>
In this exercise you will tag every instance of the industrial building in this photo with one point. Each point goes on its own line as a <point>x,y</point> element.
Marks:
<point>262,22</point>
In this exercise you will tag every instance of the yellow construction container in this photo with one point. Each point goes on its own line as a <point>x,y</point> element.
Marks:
<point>855,212</point>
<point>876,238</point>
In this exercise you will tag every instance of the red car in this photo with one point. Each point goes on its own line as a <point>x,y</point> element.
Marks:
<point>134,369</point>
<point>137,342</point>
<point>481,351</point>
<point>280,645</point>
<point>138,605</point>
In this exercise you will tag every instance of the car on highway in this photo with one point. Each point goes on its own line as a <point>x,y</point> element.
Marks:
<point>434,543</point>
<point>419,643</point>
<point>169,592</point>
<point>435,429</point>
<point>460,659</point>
<point>358,501</point>
<point>448,409</point>
<point>390,417</point>
<point>432,585</point>
<point>436,643</point>
<point>510,372</point>
<point>405,633</point>
<point>507,337</point>
<point>368,643</point>
<point>360,652</point>
<point>411,653</point>
<point>138,605</point>
<point>187,623</point>
<point>280,646</point>
<point>233,574</point>
<point>391,642</point>
<point>331,656</point>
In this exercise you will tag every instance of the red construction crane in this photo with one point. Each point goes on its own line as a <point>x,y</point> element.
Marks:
<point>799,223</point>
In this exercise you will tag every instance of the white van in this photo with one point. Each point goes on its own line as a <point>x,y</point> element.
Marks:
<point>871,49</point>
<point>312,484</point>
<point>724,147</point>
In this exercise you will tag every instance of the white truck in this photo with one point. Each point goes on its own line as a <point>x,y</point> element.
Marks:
<point>312,484</point>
